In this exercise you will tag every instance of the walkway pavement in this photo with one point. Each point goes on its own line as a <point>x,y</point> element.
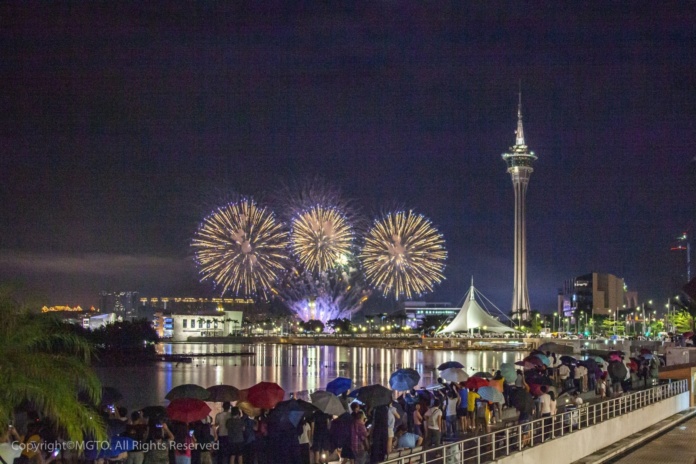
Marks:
<point>670,441</point>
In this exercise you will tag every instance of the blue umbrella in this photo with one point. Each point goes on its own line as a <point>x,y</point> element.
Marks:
<point>491,394</point>
<point>449,365</point>
<point>404,379</point>
<point>339,385</point>
<point>648,356</point>
<point>544,359</point>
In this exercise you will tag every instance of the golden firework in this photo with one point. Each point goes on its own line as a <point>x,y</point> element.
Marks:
<point>321,238</point>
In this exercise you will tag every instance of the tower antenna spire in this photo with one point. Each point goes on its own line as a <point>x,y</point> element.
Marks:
<point>519,141</point>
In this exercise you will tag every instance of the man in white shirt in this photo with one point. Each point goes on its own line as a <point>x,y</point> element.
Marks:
<point>563,373</point>
<point>392,416</point>
<point>545,402</point>
<point>433,419</point>
<point>220,430</point>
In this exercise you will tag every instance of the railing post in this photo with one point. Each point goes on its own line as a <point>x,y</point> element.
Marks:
<point>507,441</point>
<point>478,450</point>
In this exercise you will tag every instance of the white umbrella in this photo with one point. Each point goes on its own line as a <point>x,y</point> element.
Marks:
<point>454,374</point>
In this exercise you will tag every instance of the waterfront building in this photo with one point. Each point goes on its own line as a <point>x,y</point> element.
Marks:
<point>195,304</point>
<point>416,311</point>
<point>200,324</point>
<point>593,294</point>
<point>519,165</point>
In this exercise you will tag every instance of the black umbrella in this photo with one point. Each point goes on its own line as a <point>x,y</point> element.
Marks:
<point>617,370</point>
<point>155,413</point>
<point>188,390</point>
<point>555,348</point>
<point>373,395</point>
<point>483,375</point>
<point>222,393</point>
<point>450,364</point>
<point>568,359</point>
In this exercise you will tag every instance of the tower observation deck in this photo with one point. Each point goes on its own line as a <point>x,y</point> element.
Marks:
<point>519,164</point>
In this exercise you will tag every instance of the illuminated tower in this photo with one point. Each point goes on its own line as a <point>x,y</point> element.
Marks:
<point>519,162</point>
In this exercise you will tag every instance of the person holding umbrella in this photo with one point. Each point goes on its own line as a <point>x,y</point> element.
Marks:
<point>183,442</point>
<point>433,419</point>
<point>220,433</point>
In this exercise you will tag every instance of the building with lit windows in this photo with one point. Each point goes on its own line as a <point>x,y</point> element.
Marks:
<point>201,324</point>
<point>592,294</point>
<point>416,311</point>
<point>122,303</point>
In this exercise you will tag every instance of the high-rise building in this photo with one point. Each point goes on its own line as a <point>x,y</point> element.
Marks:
<point>593,294</point>
<point>121,303</point>
<point>519,164</point>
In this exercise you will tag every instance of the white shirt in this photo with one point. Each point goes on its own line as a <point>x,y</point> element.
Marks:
<point>433,418</point>
<point>545,402</point>
<point>221,422</point>
<point>9,452</point>
<point>304,437</point>
<point>451,406</point>
<point>563,371</point>
<point>391,418</point>
<point>577,401</point>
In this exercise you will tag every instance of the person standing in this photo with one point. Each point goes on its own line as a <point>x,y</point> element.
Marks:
<point>433,420</point>
<point>451,414</point>
<point>235,435</point>
<point>320,435</point>
<point>358,438</point>
<point>461,407</point>
<point>471,407</point>
<point>545,407</point>
<point>220,433</point>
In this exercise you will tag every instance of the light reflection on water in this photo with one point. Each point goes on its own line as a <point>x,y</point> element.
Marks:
<point>300,369</point>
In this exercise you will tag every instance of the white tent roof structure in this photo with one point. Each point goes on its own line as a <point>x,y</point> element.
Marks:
<point>473,316</point>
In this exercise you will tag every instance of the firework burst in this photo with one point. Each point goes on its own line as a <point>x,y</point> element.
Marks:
<point>241,248</point>
<point>403,255</point>
<point>320,238</point>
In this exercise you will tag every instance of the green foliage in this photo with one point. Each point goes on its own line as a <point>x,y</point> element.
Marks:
<point>433,322</point>
<point>46,364</point>
<point>682,321</point>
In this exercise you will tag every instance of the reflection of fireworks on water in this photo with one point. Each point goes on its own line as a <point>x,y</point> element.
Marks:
<point>403,255</point>
<point>320,238</point>
<point>241,248</point>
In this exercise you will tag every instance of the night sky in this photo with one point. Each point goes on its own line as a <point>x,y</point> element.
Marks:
<point>121,122</point>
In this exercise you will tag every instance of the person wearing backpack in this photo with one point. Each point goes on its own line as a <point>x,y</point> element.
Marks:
<point>433,420</point>
<point>235,436</point>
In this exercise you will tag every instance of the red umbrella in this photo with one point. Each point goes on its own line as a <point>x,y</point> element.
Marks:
<point>476,383</point>
<point>535,389</point>
<point>265,395</point>
<point>688,334</point>
<point>187,410</point>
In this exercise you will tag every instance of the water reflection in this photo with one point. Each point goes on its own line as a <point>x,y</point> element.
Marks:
<point>299,369</point>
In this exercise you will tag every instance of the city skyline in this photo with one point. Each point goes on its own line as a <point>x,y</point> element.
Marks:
<point>125,124</point>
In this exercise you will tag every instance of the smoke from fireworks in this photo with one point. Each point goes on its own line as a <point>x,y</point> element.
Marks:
<point>403,255</point>
<point>320,238</point>
<point>241,248</point>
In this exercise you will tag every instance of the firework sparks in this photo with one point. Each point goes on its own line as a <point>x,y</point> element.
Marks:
<point>403,255</point>
<point>241,248</point>
<point>321,238</point>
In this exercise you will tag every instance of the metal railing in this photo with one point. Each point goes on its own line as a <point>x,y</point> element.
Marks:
<point>495,445</point>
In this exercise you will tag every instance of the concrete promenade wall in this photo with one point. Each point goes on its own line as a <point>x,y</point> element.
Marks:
<point>576,445</point>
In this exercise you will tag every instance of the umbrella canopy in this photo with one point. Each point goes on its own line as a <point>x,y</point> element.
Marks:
<point>527,365</point>
<point>509,372</point>
<point>648,356</point>
<point>188,390</point>
<point>404,379</point>
<point>491,394</point>
<point>373,395</point>
<point>614,357</point>
<point>454,374</point>
<point>544,358</point>
<point>645,351</point>
<point>156,413</point>
<point>288,414</point>
<point>483,375</point>
<point>688,334</point>
<point>339,385</point>
<point>598,359</point>
<point>222,393</point>
<point>617,370</point>
<point>187,410</point>
<point>265,395</point>
<point>328,403</point>
<point>476,382</point>
<point>568,359</point>
<point>450,365</point>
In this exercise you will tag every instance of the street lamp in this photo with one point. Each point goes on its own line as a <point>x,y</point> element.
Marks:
<point>554,321</point>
